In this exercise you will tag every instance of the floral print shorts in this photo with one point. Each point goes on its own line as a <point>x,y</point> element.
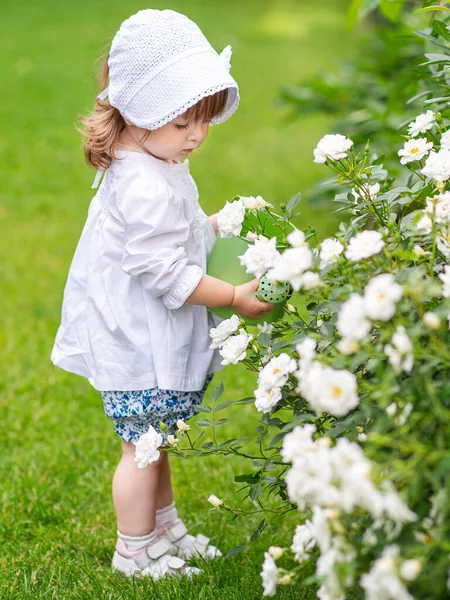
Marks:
<point>133,412</point>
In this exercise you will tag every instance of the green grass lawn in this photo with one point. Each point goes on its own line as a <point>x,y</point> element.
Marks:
<point>58,450</point>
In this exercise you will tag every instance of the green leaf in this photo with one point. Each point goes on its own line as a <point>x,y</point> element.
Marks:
<point>203,408</point>
<point>217,392</point>
<point>235,550</point>
<point>221,422</point>
<point>430,9</point>
<point>248,400</point>
<point>276,439</point>
<point>203,423</point>
<point>254,536</point>
<point>353,12</point>
<point>440,28</point>
<point>391,9</point>
<point>293,202</point>
<point>247,478</point>
<point>269,479</point>
<point>222,405</point>
<point>255,492</point>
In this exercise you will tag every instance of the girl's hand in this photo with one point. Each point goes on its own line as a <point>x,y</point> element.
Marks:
<point>250,306</point>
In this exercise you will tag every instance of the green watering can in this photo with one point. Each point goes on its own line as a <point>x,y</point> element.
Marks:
<point>223,263</point>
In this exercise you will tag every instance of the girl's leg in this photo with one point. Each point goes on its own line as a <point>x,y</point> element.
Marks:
<point>165,493</point>
<point>135,492</point>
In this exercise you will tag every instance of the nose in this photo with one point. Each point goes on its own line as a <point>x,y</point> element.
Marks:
<point>198,131</point>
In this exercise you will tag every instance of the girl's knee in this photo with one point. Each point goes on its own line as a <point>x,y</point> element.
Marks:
<point>128,448</point>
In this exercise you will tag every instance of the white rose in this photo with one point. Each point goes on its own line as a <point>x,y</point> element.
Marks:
<point>303,542</point>
<point>410,569</point>
<point>306,349</point>
<point>395,508</point>
<point>215,501</point>
<point>445,140</point>
<point>414,150</point>
<point>431,320</point>
<point>309,280</point>
<point>329,390</point>
<point>147,448</point>
<point>275,552</point>
<point>269,575</point>
<point>330,249</point>
<point>425,224</point>
<point>438,207</point>
<point>253,203</point>
<point>391,409</point>
<point>366,192</point>
<point>364,245</point>
<point>172,440</point>
<point>290,266</point>
<point>230,219</point>
<point>348,346</point>
<point>297,238</point>
<point>298,442</point>
<point>182,426</point>
<point>222,332</point>
<point>437,165</point>
<point>260,256</point>
<point>382,579</point>
<point>234,349</point>
<point>399,351</point>
<point>380,297</point>
<point>352,322</point>
<point>338,392</point>
<point>332,147</point>
<point>443,241</point>
<point>266,400</point>
<point>251,237</point>
<point>276,372</point>
<point>445,278</point>
<point>418,251</point>
<point>422,124</point>
<point>265,327</point>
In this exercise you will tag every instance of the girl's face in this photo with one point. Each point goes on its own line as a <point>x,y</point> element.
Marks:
<point>174,141</point>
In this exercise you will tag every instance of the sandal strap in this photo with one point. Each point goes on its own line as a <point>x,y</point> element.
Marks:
<point>153,552</point>
<point>175,532</point>
<point>201,542</point>
<point>176,563</point>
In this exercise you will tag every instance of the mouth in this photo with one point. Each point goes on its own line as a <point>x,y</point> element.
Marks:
<point>188,151</point>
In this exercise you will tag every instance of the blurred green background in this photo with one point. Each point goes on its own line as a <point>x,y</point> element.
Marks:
<point>58,450</point>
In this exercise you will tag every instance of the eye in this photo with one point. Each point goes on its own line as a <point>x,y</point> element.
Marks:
<point>181,126</point>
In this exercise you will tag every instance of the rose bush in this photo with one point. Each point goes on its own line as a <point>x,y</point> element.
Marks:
<point>353,389</point>
<point>352,385</point>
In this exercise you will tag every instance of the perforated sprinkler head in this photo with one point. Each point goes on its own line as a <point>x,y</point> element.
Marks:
<point>270,292</point>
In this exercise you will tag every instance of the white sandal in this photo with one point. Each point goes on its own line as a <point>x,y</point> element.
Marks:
<point>154,561</point>
<point>187,546</point>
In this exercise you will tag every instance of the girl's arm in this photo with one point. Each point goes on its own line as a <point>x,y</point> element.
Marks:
<point>213,221</point>
<point>217,293</point>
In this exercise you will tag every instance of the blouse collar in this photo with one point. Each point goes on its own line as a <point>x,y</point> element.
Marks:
<point>162,165</point>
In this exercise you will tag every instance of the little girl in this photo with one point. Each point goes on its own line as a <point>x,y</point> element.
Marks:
<point>134,317</point>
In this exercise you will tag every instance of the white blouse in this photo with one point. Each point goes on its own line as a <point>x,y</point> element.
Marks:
<point>142,252</point>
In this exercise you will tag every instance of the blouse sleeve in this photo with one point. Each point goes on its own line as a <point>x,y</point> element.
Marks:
<point>156,234</point>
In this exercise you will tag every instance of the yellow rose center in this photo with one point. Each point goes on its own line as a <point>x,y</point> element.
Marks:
<point>337,391</point>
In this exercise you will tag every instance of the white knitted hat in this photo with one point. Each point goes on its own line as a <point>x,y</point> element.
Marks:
<point>161,64</point>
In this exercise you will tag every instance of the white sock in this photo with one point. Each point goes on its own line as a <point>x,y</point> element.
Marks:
<point>166,514</point>
<point>136,543</point>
